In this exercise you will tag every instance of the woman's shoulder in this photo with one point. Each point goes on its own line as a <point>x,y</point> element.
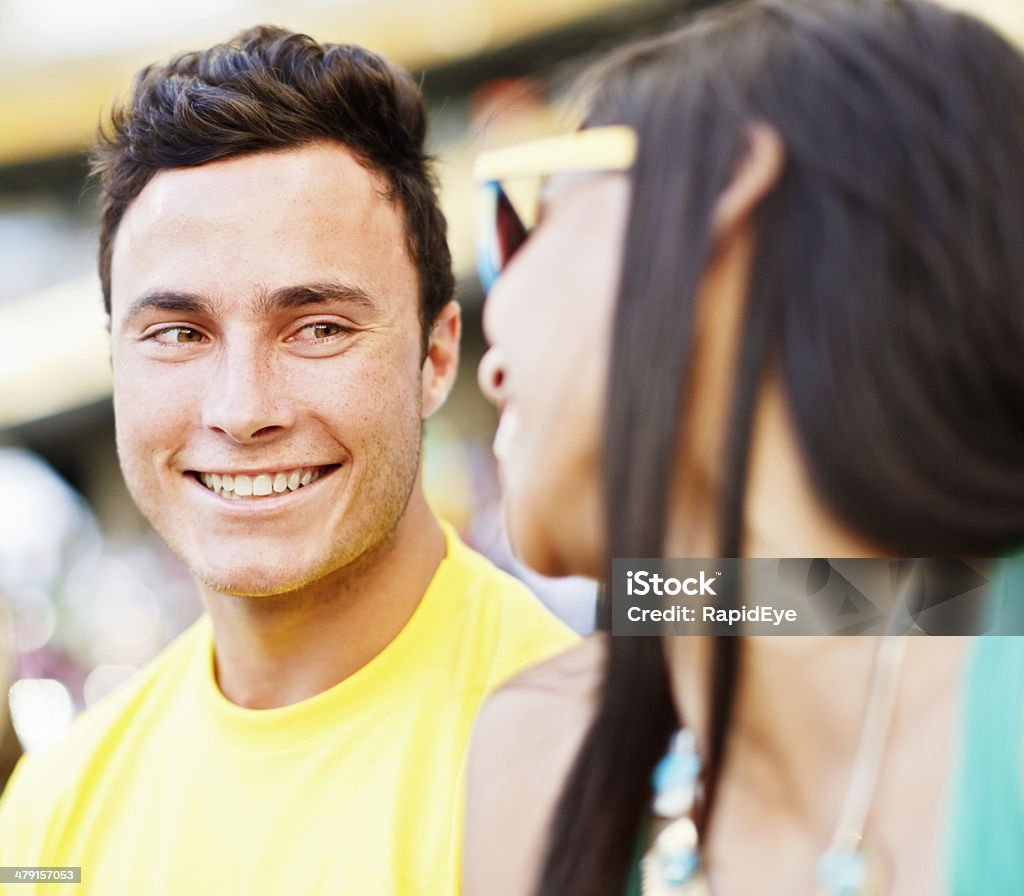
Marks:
<point>572,673</point>
<point>542,707</point>
<point>525,740</point>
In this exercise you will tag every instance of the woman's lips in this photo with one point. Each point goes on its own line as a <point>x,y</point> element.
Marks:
<point>508,424</point>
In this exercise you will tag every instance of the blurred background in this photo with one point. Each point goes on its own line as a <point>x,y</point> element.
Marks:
<point>88,593</point>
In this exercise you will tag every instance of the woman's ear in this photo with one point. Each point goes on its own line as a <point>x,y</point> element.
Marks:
<point>758,172</point>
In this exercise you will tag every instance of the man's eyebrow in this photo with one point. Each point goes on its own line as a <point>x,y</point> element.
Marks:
<point>171,300</point>
<point>282,299</point>
<point>290,297</point>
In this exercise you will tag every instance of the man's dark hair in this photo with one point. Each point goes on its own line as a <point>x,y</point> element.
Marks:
<point>270,89</point>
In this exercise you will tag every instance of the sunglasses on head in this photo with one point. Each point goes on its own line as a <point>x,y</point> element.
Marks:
<point>509,182</point>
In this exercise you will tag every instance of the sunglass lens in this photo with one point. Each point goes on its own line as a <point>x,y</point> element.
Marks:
<point>501,233</point>
<point>510,233</point>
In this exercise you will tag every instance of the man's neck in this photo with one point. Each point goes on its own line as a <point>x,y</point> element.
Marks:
<point>278,650</point>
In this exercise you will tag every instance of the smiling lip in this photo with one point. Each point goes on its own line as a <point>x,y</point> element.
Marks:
<point>258,486</point>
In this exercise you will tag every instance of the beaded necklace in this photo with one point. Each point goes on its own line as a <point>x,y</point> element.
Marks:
<point>672,866</point>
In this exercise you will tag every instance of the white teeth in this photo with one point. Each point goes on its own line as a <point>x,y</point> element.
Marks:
<point>241,485</point>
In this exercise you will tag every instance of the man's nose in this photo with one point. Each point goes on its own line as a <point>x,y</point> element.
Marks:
<point>246,400</point>
<point>491,376</point>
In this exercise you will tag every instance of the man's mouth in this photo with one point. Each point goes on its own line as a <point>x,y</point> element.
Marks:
<point>261,485</point>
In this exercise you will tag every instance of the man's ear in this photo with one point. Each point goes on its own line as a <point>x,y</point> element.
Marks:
<point>757,173</point>
<point>442,360</point>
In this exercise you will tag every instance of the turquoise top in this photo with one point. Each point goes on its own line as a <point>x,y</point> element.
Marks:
<point>986,819</point>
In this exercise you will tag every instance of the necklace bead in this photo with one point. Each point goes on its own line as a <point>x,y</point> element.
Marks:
<point>843,872</point>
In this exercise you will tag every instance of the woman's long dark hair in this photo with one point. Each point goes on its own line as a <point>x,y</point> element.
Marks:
<point>887,290</point>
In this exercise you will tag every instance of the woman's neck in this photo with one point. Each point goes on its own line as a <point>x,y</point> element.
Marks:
<point>798,711</point>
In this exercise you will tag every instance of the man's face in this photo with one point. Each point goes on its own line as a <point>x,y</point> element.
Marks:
<point>266,338</point>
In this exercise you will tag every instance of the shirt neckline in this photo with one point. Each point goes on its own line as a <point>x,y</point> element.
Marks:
<point>307,723</point>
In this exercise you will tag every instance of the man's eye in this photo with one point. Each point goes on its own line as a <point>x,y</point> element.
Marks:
<point>322,330</point>
<point>176,335</point>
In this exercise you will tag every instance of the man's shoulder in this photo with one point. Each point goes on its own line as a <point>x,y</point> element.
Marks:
<point>503,621</point>
<point>485,581</point>
<point>481,580</point>
<point>58,768</point>
<point>499,595</point>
